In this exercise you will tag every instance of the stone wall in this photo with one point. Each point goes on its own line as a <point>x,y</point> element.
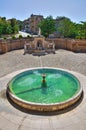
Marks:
<point>10,44</point>
<point>74,45</point>
<point>60,43</point>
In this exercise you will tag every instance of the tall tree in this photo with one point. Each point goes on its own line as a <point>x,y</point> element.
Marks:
<point>83,30</point>
<point>47,26</point>
<point>8,28</point>
<point>66,27</point>
<point>14,25</point>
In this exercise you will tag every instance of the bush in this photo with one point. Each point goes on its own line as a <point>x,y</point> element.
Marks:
<point>13,37</point>
<point>20,36</point>
<point>28,36</point>
<point>4,38</point>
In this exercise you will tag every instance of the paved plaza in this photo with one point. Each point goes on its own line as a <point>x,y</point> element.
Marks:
<point>12,118</point>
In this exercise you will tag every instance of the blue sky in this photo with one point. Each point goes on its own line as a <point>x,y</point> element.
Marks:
<point>22,9</point>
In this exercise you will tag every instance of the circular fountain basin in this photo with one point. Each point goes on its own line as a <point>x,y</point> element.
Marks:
<point>60,90</point>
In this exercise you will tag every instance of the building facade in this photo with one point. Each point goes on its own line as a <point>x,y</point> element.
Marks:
<point>31,24</point>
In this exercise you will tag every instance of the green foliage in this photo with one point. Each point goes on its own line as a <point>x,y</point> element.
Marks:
<point>14,25</point>
<point>20,24</point>
<point>20,36</point>
<point>4,38</point>
<point>13,37</point>
<point>63,26</point>
<point>66,28</point>
<point>47,26</point>
<point>8,26</point>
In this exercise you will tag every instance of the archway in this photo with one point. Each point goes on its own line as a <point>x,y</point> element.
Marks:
<point>39,45</point>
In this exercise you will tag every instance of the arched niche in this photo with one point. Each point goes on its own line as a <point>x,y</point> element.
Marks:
<point>39,45</point>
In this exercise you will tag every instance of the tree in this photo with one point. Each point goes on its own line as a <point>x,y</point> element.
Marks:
<point>20,24</point>
<point>65,27</point>
<point>14,25</point>
<point>8,28</point>
<point>83,30</point>
<point>47,26</point>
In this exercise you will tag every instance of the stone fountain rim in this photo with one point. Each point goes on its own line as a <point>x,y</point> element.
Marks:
<point>63,104</point>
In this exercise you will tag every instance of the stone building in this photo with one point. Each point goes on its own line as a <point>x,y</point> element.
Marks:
<point>31,24</point>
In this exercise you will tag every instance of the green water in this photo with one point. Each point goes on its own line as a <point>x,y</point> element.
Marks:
<point>59,86</point>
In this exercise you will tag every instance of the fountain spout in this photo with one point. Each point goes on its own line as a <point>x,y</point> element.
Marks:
<point>43,78</point>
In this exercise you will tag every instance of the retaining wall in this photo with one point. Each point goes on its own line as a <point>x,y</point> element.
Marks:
<point>74,45</point>
<point>9,45</point>
<point>60,43</point>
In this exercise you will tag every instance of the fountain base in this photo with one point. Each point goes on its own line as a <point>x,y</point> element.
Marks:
<point>44,87</point>
<point>43,76</point>
<point>42,107</point>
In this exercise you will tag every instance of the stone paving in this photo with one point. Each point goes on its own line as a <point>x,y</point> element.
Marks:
<point>12,118</point>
